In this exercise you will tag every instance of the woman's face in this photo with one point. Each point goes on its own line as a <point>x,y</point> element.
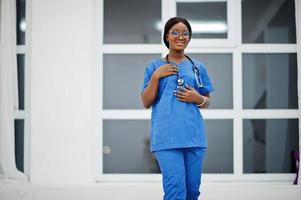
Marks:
<point>176,41</point>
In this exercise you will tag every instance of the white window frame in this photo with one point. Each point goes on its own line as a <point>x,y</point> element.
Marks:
<point>231,45</point>
<point>219,42</point>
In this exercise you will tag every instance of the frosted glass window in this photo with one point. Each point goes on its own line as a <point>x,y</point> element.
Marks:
<point>219,68</point>
<point>207,19</point>
<point>269,144</point>
<point>134,21</point>
<point>19,144</point>
<point>270,81</point>
<point>219,154</point>
<point>21,79</point>
<point>21,23</point>
<point>123,80</point>
<point>126,147</point>
<point>267,21</point>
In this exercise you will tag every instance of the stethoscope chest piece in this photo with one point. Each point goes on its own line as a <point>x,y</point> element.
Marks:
<point>180,81</point>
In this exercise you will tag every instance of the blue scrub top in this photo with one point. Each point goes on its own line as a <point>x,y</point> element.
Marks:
<point>176,124</point>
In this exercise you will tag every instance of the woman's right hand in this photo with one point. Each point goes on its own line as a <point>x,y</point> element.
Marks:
<point>165,70</point>
<point>150,93</point>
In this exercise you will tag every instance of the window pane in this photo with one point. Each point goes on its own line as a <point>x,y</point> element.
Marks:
<point>123,80</point>
<point>19,144</point>
<point>207,19</point>
<point>219,68</point>
<point>270,81</point>
<point>219,154</point>
<point>135,21</point>
<point>126,147</point>
<point>21,23</point>
<point>267,21</point>
<point>268,145</point>
<point>21,82</point>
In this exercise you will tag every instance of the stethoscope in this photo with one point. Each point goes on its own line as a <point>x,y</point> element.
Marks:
<point>196,72</point>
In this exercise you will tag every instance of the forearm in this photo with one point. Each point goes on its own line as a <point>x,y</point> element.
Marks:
<point>150,93</point>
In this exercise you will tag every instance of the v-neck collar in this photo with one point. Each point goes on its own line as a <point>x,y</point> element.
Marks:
<point>177,64</point>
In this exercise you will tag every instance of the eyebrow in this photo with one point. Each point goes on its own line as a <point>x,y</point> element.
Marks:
<point>178,30</point>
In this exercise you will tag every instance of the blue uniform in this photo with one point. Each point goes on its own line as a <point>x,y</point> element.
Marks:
<point>176,124</point>
<point>177,131</point>
<point>181,169</point>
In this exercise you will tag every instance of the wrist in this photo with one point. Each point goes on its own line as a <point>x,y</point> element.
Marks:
<point>156,76</point>
<point>203,101</point>
<point>199,99</point>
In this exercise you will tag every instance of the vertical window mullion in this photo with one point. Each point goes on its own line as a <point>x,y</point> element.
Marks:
<point>237,91</point>
<point>237,106</point>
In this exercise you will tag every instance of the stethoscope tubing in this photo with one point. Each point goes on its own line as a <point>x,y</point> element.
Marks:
<point>196,72</point>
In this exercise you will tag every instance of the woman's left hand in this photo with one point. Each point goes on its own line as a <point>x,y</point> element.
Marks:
<point>188,94</point>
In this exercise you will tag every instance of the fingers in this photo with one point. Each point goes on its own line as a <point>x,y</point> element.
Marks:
<point>182,89</point>
<point>167,70</point>
<point>181,96</point>
<point>177,92</point>
<point>172,68</point>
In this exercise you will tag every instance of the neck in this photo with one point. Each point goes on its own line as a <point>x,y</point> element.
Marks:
<point>176,55</point>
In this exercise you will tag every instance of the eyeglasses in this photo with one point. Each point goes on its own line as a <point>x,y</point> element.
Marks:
<point>176,34</point>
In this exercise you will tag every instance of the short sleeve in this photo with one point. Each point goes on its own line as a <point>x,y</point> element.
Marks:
<point>204,77</point>
<point>147,75</point>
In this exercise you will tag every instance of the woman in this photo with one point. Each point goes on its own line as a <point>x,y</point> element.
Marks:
<point>176,87</point>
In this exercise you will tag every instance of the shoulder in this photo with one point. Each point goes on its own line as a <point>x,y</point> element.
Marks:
<point>199,64</point>
<point>155,63</point>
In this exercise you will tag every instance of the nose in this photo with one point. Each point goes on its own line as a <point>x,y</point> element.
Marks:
<point>181,37</point>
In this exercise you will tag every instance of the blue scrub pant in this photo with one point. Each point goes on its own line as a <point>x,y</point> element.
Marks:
<point>181,169</point>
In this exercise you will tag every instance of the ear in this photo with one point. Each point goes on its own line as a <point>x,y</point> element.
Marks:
<point>166,37</point>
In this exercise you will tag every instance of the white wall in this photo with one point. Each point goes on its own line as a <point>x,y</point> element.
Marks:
<point>60,65</point>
